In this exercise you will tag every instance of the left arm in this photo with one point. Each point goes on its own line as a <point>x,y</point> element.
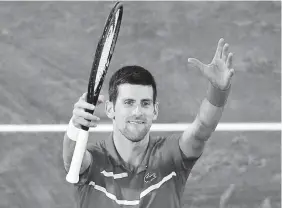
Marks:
<point>219,73</point>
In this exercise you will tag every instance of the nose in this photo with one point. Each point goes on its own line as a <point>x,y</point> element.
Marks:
<point>137,111</point>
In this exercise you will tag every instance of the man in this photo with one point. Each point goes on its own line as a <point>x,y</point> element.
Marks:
<point>131,168</point>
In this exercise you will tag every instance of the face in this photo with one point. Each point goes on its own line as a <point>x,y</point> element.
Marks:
<point>134,111</point>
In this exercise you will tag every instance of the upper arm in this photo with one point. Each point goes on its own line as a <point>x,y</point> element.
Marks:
<point>86,162</point>
<point>68,151</point>
<point>193,139</point>
<point>171,153</point>
<point>89,166</point>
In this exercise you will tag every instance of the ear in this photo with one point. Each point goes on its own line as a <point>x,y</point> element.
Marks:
<point>156,111</point>
<point>109,109</point>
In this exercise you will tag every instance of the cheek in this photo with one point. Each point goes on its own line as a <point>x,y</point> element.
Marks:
<point>121,114</point>
<point>151,117</point>
<point>149,114</point>
<point>151,111</point>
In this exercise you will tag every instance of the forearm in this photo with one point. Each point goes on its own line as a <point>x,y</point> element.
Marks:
<point>194,138</point>
<point>210,112</point>
<point>209,115</point>
<point>219,73</point>
<point>202,127</point>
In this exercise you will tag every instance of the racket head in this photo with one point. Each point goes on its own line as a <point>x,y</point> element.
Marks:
<point>103,55</point>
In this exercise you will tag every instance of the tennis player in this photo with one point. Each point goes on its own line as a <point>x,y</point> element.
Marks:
<point>131,168</point>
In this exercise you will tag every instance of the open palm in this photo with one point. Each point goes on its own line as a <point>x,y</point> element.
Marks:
<point>219,72</point>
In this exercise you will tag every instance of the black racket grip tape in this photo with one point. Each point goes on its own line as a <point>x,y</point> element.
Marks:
<point>86,128</point>
<point>92,98</point>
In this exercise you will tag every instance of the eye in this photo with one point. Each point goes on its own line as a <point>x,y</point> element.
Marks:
<point>146,103</point>
<point>128,102</point>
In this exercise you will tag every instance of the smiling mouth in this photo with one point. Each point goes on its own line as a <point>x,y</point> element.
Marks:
<point>136,122</point>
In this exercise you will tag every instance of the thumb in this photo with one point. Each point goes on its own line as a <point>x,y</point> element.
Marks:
<point>196,62</point>
<point>101,99</point>
<point>84,96</point>
<point>231,73</point>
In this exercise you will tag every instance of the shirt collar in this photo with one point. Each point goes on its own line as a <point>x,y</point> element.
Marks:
<point>114,155</point>
<point>112,151</point>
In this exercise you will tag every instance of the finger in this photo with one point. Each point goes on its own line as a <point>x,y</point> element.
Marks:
<point>225,52</point>
<point>93,124</point>
<point>229,60</point>
<point>232,72</point>
<point>84,96</point>
<point>99,101</point>
<point>218,52</point>
<point>197,63</point>
<point>81,121</point>
<point>84,105</point>
<point>81,113</point>
<point>84,122</point>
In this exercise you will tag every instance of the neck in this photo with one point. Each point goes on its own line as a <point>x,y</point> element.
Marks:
<point>135,151</point>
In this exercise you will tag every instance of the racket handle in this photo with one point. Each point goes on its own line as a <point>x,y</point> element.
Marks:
<point>77,158</point>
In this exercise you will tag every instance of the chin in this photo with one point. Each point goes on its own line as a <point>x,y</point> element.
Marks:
<point>135,136</point>
<point>135,139</point>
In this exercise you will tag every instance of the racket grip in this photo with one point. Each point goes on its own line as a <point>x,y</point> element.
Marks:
<point>77,158</point>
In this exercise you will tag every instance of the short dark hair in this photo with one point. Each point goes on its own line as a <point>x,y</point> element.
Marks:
<point>135,75</point>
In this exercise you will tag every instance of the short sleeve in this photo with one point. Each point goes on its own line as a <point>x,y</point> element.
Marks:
<point>181,162</point>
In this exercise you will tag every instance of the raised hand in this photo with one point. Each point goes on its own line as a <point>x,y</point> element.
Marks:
<point>83,118</point>
<point>219,72</point>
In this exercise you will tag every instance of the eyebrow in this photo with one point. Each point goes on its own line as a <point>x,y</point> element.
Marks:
<point>150,100</point>
<point>142,100</point>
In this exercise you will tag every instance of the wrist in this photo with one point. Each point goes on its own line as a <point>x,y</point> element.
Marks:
<point>216,96</point>
<point>72,131</point>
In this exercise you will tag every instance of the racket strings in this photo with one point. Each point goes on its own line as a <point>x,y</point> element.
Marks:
<point>104,59</point>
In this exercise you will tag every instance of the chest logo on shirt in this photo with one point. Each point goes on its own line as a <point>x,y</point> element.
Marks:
<point>149,177</point>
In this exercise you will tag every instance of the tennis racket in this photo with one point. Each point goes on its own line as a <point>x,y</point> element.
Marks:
<point>98,72</point>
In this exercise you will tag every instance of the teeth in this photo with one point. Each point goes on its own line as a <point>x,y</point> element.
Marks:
<point>136,122</point>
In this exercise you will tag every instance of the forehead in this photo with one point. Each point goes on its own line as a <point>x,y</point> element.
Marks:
<point>135,91</point>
